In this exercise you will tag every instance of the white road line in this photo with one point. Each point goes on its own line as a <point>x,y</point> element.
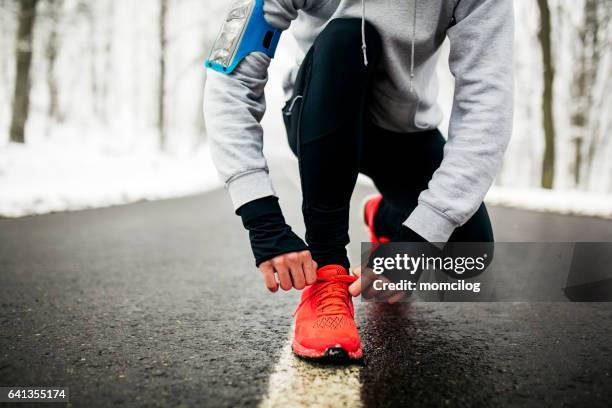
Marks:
<point>298,383</point>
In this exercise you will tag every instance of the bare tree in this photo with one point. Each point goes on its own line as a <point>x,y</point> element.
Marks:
<point>108,63</point>
<point>163,47</point>
<point>51,51</point>
<point>87,10</point>
<point>596,11</point>
<point>6,31</point>
<point>23,51</point>
<point>548,164</point>
<point>584,77</point>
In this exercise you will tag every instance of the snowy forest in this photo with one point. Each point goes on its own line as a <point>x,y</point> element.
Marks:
<point>102,101</point>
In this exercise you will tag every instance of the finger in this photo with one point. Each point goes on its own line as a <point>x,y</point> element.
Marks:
<point>309,267</point>
<point>298,279</point>
<point>268,274</point>
<point>368,277</point>
<point>365,282</point>
<point>355,288</point>
<point>283,274</point>
<point>297,272</point>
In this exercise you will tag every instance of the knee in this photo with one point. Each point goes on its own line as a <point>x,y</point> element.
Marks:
<point>342,38</point>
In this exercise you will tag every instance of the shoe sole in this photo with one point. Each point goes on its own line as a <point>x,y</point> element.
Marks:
<point>336,354</point>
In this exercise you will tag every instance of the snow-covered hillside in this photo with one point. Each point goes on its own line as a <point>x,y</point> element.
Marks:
<point>62,172</point>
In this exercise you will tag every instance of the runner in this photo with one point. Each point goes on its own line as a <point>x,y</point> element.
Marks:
<point>361,99</point>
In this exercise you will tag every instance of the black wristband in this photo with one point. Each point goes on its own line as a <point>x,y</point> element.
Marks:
<point>269,233</point>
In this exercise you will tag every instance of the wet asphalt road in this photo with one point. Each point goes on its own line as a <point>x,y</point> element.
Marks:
<point>159,304</point>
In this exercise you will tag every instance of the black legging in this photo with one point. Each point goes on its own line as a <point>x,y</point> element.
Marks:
<point>329,131</point>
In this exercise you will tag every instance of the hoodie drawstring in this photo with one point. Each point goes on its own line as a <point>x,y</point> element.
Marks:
<point>414,23</point>
<point>364,47</point>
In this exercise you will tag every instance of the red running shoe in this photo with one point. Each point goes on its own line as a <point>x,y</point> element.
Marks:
<point>324,321</point>
<point>370,207</point>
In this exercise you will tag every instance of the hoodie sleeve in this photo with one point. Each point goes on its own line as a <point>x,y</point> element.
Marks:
<point>233,108</point>
<point>480,126</point>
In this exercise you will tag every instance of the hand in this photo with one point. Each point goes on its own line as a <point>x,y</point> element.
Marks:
<point>365,285</point>
<point>294,269</point>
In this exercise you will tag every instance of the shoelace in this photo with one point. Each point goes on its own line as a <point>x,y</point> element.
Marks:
<point>332,293</point>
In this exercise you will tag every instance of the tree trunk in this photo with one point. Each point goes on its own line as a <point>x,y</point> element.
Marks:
<point>161,114</point>
<point>53,111</point>
<point>89,10</point>
<point>108,62</point>
<point>6,31</point>
<point>23,51</point>
<point>548,164</point>
<point>594,42</point>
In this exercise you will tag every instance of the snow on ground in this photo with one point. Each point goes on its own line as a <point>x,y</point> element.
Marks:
<point>558,201</point>
<point>568,202</point>
<point>49,175</point>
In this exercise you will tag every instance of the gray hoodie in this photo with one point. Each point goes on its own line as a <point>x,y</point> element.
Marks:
<point>404,96</point>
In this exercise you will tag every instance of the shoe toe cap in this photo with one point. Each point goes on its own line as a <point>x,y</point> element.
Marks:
<point>348,343</point>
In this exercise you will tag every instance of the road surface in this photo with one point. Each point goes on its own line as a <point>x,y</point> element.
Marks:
<point>159,304</point>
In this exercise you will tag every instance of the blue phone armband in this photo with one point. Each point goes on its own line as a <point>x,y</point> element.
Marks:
<point>244,31</point>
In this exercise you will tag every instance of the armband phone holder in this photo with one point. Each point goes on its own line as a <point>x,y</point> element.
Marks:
<point>244,31</point>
